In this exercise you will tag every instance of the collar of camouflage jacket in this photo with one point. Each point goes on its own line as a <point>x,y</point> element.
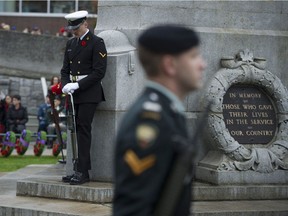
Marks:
<point>175,101</point>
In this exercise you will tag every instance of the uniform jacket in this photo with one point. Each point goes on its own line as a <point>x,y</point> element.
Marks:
<point>145,152</point>
<point>87,57</point>
<point>2,112</point>
<point>42,115</point>
<point>17,114</point>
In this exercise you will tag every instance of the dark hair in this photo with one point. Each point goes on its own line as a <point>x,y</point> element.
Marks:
<point>149,60</point>
<point>18,97</point>
<point>51,81</point>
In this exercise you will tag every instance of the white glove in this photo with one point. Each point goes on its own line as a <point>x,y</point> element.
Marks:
<point>70,87</point>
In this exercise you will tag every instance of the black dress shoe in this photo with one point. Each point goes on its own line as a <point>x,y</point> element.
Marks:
<point>67,178</point>
<point>79,178</point>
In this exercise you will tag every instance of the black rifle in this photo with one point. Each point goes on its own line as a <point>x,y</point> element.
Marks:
<point>180,172</point>
<point>56,121</point>
<point>73,132</point>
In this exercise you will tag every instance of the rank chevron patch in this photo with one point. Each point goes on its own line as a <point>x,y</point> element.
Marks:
<point>102,55</point>
<point>138,165</point>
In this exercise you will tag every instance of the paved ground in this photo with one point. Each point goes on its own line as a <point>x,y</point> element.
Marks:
<point>12,205</point>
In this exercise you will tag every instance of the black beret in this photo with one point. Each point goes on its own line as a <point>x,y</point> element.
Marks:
<point>168,39</point>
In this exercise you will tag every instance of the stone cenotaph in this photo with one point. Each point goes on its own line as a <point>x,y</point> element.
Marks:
<point>247,124</point>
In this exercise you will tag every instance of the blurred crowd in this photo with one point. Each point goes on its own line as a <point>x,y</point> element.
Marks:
<point>45,114</point>
<point>35,30</point>
<point>14,116</point>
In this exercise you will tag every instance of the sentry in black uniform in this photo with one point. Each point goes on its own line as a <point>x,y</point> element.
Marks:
<point>84,67</point>
<point>146,146</point>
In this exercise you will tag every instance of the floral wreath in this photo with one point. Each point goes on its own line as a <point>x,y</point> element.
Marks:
<point>22,143</point>
<point>40,143</point>
<point>246,69</point>
<point>8,144</point>
<point>56,146</point>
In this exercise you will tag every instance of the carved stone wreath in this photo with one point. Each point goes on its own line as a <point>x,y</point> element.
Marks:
<point>245,69</point>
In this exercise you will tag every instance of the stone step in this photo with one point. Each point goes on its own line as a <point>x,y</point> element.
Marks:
<point>47,183</point>
<point>208,192</point>
<point>97,192</point>
<point>52,187</point>
<point>11,205</point>
<point>32,119</point>
<point>27,206</point>
<point>241,208</point>
<point>32,124</point>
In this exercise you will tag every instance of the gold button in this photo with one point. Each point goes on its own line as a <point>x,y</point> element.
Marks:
<point>70,62</point>
<point>78,72</point>
<point>78,62</point>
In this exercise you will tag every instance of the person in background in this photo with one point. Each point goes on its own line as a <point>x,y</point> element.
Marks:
<point>5,26</point>
<point>81,75</point>
<point>8,102</point>
<point>42,115</point>
<point>7,105</point>
<point>2,114</point>
<point>51,127</point>
<point>17,116</point>
<point>153,133</point>
<point>54,80</point>
<point>26,30</point>
<point>36,31</point>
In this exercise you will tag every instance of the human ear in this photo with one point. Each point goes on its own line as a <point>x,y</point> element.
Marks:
<point>168,64</point>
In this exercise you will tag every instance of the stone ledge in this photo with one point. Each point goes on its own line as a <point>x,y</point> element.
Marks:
<point>208,192</point>
<point>47,183</point>
<point>240,177</point>
<point>241,208</point>
<point>53,188</point>
<point>97,192</point>
<point>23,206</point>
<point>12,72</point>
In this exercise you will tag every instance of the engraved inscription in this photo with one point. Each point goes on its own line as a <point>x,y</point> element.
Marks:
<point>249,115</point>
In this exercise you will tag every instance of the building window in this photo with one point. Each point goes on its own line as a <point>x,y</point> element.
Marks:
<point>62,6</point>
<point>34,6</point>
<point>90,6</point>
<point>47,7</point>
<point>9,6</point>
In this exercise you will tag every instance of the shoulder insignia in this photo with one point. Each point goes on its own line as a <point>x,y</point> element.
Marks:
<point>138,165</point>
<point>146,135</point>
<point>152,106</point>
<point>102,55</point>
<point>151,115</point>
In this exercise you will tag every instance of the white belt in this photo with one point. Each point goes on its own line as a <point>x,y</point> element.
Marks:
<point>77,78</point>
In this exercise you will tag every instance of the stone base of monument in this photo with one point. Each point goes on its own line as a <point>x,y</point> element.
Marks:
<point>214,169</point>
<point>243,177</point>
<point>43,193</point>
<point>48,184</point>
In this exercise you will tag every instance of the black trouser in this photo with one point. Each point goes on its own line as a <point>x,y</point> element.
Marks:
<point>17,128</point>
<point>84,117</point>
